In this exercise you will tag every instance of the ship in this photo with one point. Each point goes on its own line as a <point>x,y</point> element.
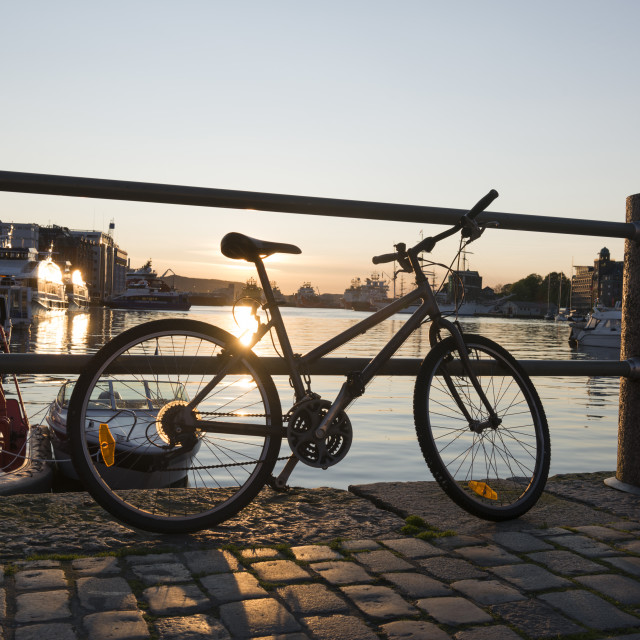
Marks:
<point>370,296</point>
<point>251,293</point>
<point>307,296</point>
<point>145,290</point>
<point>281,301</point>
<point>32,286</point>
<point>76,290</point>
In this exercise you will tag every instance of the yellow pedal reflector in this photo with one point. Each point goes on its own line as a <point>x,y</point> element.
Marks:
<point>107,445</point>
<point>483,489</point>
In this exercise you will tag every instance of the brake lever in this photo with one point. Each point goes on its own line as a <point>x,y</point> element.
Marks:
<point>472,230</point>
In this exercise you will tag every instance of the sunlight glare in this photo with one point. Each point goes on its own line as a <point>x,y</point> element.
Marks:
<point>247,323</point>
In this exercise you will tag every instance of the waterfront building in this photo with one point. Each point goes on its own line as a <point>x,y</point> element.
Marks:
<point>523,309</point>
<point>469,281</point>
<point>95,254</point>
<point>607,276</point>
<point>600,284</point>
<point>582,289</point>
<point>108,265</point>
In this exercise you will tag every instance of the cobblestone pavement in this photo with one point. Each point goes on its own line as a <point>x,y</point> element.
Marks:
<point>545,580</point>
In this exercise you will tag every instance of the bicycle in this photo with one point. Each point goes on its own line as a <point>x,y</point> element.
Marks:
<point>206,437</point>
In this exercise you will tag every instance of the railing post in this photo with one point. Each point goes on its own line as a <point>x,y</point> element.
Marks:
<point>628,468</point>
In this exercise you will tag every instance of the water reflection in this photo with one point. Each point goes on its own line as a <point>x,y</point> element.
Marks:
<point>582,412</point>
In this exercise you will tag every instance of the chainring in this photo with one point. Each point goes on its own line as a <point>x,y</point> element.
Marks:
<point>305,418</point>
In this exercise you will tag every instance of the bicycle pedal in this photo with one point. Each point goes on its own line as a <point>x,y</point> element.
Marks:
<point>272,483</point>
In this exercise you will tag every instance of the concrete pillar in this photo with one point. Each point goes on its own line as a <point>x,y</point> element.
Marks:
<point>628,469</point>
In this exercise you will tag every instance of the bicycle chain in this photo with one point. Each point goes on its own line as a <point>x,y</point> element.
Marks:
<point>219,466</point>
<point>231,464</point>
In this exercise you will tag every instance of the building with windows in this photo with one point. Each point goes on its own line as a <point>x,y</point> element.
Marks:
<point>607,279</point>
<point>582,289</point>
<point>468,281</point>
<point>106,276</point>
<point>600,284</point>
<point>102,263</point>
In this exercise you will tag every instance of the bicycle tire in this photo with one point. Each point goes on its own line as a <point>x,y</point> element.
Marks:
<point>164,473</point>
<point>509,463</point>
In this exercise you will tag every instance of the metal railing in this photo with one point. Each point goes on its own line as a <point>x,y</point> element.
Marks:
<point>225,198</point>
<point>230,199</point>
<point>628,469</point>
<point>65,364</point>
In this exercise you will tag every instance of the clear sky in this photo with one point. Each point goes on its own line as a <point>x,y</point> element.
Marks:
<point>418,102</point>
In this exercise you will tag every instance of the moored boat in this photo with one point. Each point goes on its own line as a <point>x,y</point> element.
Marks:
<point>77,291</point>
<point>145,290</point>
<point>122,416</point>
<point>306,296</point>
<point>368,296</point>
<point>32,286</point>
<point>602,329</point>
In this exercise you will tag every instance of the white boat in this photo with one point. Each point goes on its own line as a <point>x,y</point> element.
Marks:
<point>368,296</point>
<point>32,286</point>
<point>603,329</point>
<point>77,291</point>
<point>145,290</point>
<point>124,413</point>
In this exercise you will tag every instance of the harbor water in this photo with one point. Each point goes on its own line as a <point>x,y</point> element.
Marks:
<point>582,411</point>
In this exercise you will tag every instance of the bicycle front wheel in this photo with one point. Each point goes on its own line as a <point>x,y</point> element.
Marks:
<point>494,467</point>
<point>173,427</point>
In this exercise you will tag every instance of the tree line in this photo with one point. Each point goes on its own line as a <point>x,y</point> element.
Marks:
<point>554,287</point>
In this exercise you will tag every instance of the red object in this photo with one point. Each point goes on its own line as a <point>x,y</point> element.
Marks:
<point>14,425</point>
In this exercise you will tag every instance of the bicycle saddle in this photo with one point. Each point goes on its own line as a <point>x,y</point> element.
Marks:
<point>240,247</point>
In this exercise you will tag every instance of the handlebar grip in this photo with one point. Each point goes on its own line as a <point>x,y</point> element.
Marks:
<point>385,257</point>
<point>482,204</point>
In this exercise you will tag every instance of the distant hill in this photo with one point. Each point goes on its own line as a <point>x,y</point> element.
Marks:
<point>200,285</point>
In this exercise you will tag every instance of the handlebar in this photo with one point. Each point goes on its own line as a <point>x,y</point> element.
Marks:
<point>466,221</point>
<point>481,205</point>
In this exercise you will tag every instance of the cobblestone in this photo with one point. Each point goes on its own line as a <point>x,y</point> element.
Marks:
<point>103,594</point>
<point>312,599</point>
<point>590,609</point>
<point>378,602</point>
<point>536,577</point>
<point>39,579</point>
<point>379,561</point>
<point>566,562</point>
<point>280,571</point>
<point>314,553</point>
<point>257,617</point>
<point>341,572</point>
<point>417,585</point>
<point>167,600</point>
<point>487,592</point>
<point>230,587</point>
<point>453,611</point>
<point>530,577</point>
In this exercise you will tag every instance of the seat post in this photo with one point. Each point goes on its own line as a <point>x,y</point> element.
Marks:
<point>278,323</point>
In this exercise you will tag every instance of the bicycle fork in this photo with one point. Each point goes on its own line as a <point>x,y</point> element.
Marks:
<point>477,426</point>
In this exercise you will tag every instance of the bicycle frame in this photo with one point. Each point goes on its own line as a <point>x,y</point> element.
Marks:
<point>356,381</point>
<point>296,364</point>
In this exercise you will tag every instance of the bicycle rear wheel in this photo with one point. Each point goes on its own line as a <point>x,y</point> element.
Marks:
<point>495,471</point>
<point>149,458</point>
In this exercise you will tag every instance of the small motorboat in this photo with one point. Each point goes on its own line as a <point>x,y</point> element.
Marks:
<point>603,329</point>
<point>122,421</point>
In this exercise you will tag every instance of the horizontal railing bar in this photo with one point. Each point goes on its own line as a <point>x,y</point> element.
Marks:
<point>64,364</point>
<point>231,199</point>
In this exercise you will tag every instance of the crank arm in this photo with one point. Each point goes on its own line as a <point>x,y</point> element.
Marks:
<point>280,483</point>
